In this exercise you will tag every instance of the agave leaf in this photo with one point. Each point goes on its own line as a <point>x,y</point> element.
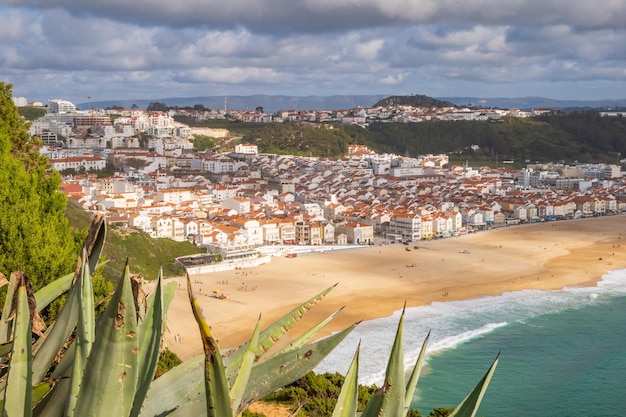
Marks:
<point>178,393</point>
<point>149,332</point>
<point>18,394</point>
<point>282,369</point>
<point>85,333</point>
<point>390,401</point>
<point>48,347</point>
<point>177,388</point>
<point>469,406</point>
<point>5,348</point>
<point>109,386</point>
<point>243,375</point>
<point>415,374</point>
<point>53,290</point>
<point>275,332</point>
<point>40,391</point>
<point>94,242</point>
<point>56,288</point>
<point>6,321</point>
<point>306,336</point>
<point>347,401</point>
<point>215,381</point>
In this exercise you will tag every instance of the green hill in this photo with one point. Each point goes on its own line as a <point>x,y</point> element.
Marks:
<point>413,100</point>
<point>583,137</point>
<point>145,254</point>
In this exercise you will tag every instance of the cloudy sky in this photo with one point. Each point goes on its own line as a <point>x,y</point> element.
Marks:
<point>140,49</point>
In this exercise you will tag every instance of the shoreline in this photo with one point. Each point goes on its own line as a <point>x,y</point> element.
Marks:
<point>375,282</point>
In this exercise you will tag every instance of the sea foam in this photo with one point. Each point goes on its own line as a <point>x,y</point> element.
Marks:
<point>456,322</point>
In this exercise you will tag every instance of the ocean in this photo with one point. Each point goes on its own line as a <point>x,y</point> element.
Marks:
<point>562,353</point>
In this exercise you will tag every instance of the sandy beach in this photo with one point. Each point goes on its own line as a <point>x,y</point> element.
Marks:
<point>376,281</point>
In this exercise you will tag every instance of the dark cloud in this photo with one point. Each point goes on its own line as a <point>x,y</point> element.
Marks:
<point>192,47</point>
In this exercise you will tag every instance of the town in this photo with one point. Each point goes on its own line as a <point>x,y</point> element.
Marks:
<point>232,202</point>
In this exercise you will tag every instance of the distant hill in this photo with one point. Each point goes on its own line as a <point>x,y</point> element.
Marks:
<point>268,102</point>
<point>526,103</point>
<point>271,103</point>
<point>413,100</point>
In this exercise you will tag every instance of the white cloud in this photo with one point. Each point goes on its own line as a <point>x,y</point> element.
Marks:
<point>201,46</point>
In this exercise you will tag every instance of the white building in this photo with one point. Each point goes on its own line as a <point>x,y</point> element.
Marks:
<point>60,106</point>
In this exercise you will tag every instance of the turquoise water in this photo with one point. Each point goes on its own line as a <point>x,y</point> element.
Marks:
<point>563,353</point>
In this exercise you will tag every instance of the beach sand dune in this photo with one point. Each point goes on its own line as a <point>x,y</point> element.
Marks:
<point>376,281</point>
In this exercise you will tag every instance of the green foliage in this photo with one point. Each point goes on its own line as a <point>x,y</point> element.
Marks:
<point>34,234</point>
<point>202,142</point>
<point>156,106</point>
<point>318,393</point>
<point>302,139</point>
<point>247,413</point>
<point>31,113</point>
<point>441,412</point>
<point>582,136</point>
<point>167,360</point>
<point>413,100</point>
<point>146,254</point>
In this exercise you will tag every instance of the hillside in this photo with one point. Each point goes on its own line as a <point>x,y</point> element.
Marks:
<point>579,136</point>
<point>414,101</point>
<point>144,254</point>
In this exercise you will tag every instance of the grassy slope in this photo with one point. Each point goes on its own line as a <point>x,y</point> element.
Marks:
<point>145,254</point>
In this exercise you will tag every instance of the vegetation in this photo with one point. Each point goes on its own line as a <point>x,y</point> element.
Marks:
<point>303,139</point>
<point>104,364</point>
<point>31,113</point>
<point>414,101</point>
<point>34,234</point>
<point>202,142</point>
<point>574,136</point>
<point>147,255</point>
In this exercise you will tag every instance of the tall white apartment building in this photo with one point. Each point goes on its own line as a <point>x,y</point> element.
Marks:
<point>60,106</point>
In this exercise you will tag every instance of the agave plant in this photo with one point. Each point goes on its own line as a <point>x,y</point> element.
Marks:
<point>83,365</point>
<point>394,397</point>
<point>106,363</point>
<point>230,383</point>
<point>224,384</point>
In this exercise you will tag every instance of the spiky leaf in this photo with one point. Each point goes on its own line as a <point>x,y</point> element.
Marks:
<point>308,335</point>
<point>390,398</point>
<point>275,332</point>
<point>112,362</point>
<point>415,374</point>
<point>282,369</point>
<point>215,381</point>
<point>18,394</point>
<point>347,401</point>
<point>469,406</point>
<point>238,389</point>
<point>150,332</point>
<point>6,321</point>
<point>85,333</point>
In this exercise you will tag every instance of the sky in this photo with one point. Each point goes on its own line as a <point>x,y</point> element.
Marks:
<point>118,49</point>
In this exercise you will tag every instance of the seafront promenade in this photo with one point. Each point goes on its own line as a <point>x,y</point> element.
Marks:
<point>205,264</point>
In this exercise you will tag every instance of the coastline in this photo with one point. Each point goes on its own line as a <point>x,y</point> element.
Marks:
<point>375,282</point>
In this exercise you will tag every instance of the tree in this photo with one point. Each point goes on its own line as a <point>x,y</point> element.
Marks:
<point>35,236</point>
<point>156,106</point>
